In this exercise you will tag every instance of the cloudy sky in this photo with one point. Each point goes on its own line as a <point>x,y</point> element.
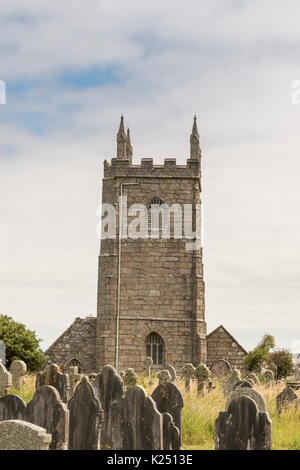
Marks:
<point>71,68</point>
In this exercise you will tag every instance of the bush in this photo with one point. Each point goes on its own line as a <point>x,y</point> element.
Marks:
<point>255,358</point>
<point>282,358</point>
<point>20,343</point>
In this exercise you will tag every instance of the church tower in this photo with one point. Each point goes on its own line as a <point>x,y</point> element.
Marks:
<point>151,290</point>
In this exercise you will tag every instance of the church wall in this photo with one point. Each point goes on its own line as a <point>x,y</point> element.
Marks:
<point>221,345</point>
<point>77,342</point>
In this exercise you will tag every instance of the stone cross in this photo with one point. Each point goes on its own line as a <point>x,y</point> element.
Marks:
<point>46,409</point>
<point>2,352</point>
<point>188,372</point>
<point>19,435</point>
<point>86,417</point>
<point>18,370</point>
<point>243,427</point>
<point>74,378</point>
<point>130,378</point>
<point>164,376</point>
<point>148,363</point>
<point>202,374</point>
<point>109,389</point>
<point>5,380</point>
<point>286,397</point>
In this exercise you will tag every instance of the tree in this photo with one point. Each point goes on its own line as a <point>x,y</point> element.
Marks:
<point>255,358</point>
<point>21,343</point>
<point>283,360</point>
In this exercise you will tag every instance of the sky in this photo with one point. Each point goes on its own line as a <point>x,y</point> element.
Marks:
<point>71,69</point>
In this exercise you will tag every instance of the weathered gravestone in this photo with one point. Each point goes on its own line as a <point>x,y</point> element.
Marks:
<point>202,374</point>
<point>2,352</point>
<point>242,384</point>
<point>168,399</point>
<point>53,376</point>
<point>251,393</point>
<point>171,434</point>
<point>148,363</point>
<point>188,372</point>
<point>272,366</point>
<point>12,407</point>
<point>18,370</point>
<point>164,376</point>
<point>137,425</point>
<point>130,378</point>
<point>269,376</point>
<point>48,411</point>
<point>220,368</point>
<point>109,390</point>
<point>286,397</point>
<point>172,371</point>
<point>243,427</point>
<point>19,435</point>
<point>252,377</point>
<point>230,383</point>
<point>5,380</point>
<point>86,417</point>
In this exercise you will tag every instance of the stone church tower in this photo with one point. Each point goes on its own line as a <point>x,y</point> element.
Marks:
<point>150,299</point>
<point>150,291</point>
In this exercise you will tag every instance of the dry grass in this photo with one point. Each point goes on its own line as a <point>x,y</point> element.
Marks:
<point>199,414</point>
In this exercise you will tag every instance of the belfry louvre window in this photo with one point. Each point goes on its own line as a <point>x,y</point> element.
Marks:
<point>154,206</point>
<point>155,348</point>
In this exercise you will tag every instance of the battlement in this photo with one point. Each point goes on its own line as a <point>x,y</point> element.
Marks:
<point>120,168</point>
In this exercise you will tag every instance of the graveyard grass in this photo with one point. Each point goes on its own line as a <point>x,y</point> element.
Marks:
<point>200,412</point>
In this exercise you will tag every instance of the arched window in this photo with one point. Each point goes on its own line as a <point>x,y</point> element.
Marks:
<point>74,363</point>
<point>155,348</point>
<point>154,205</point>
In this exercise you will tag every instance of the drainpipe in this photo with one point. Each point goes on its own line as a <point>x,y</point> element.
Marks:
<point>119,266</point>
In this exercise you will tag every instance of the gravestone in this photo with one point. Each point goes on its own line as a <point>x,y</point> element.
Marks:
<point>18,370</point>
<point>5,380</point>
<point>230,383</point>
<point>137,423</point>
<point>269,376</point>
<point>253,377</point>
<point>286,397</point>
<point>148,363</point>
<point>109,389</point>
<point>172,371</point>
<point>243,427</point>
<point>86,417</point>
<point>2,353</point>
<point>130,378</point>
<point>251,393</point>
<point>188,372</point>
<point>48,411</point>
<point>19,435</point>
<point>171,434</point>
<point>220,368</point>
<point>54,377</point>
<point>168,399</point>
<point>242,384</point>
<point>202,374</point>
<point>272,366</point>
<point>74,379</point>
<point>164,376</point>
<point>12,407</point>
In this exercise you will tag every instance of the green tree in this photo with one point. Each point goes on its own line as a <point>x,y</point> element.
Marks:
<point>255,358</point>
<point>20,343</point>
<point>283,360</point>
